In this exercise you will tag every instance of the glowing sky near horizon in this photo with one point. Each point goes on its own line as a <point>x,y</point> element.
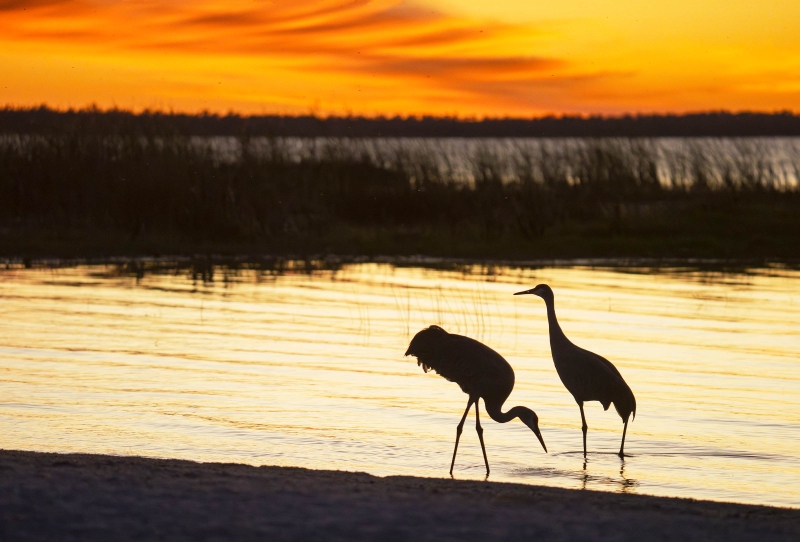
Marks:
<point>389,57</point>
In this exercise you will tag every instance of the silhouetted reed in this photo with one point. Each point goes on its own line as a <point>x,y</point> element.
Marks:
<point>351,196</point>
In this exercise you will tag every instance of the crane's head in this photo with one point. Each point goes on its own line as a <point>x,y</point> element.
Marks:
<point>529,418</point>
<point>424,343</point>
<point>542,290</point>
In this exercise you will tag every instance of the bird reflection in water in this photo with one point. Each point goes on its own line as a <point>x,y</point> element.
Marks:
<point>623,484</point>
<point>626,484</point>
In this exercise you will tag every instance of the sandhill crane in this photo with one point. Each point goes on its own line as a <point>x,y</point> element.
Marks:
<point>480,371</point>
<point>587,376</point>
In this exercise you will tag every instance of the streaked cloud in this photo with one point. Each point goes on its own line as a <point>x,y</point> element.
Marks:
<point>361,56</point>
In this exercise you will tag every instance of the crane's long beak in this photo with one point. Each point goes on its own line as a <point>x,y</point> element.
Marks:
<point>539,436</point>
<point>531,291</point>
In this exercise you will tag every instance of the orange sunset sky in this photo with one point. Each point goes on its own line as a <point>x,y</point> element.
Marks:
<point>390,57</point>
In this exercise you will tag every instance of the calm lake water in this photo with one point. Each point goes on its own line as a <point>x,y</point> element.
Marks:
<point>307,369</point>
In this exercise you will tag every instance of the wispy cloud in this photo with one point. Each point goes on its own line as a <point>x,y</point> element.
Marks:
<point>375,56</point>
<point>400,42</point>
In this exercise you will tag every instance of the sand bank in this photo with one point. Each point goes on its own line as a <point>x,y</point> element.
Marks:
<point>94,497</point>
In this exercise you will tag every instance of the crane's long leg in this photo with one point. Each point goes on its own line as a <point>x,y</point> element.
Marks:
<point>622,446</point>
<point>458,433</point>
<point>584,427</point>
<point>479,429</point>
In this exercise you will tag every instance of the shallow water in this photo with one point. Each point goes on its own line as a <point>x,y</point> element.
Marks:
<point>307,369</point>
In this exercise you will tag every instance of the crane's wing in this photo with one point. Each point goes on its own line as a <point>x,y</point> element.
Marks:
<point>467,362</point>
<point>603,382</point>
<point>602,362</point>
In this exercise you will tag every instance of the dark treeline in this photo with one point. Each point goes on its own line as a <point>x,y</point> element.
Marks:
<point>97,195</point>
<point>43,120</point>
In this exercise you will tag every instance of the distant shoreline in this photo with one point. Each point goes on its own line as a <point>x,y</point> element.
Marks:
<point>97,497</point>
<point>29,245</point>
<point>44,120</point>
<point>328,262</point>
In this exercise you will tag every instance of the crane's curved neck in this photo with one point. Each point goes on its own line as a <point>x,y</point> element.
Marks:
<point>556,335</point>
<point>495,412</point>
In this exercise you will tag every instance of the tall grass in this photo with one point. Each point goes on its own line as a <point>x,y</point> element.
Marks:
<point>261,193</point>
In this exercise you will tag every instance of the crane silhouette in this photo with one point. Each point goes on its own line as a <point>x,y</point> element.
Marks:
<point>479,371</point>
<point>587,376</point>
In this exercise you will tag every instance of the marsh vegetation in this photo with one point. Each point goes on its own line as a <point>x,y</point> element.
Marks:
<point>84,193</point>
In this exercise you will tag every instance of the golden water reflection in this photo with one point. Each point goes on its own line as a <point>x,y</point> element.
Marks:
<point>305,367</point>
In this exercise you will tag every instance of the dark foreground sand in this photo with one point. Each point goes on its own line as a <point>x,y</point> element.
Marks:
<point>92,497</point>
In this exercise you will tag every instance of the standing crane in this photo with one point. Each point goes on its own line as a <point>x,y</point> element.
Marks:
<point>479,371</point>
<point>587,376</point>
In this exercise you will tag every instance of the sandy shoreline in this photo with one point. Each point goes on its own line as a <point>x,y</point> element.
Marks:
<point>94,497</point>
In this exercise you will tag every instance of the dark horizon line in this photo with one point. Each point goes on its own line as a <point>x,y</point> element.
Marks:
<point>95,109</point>
<point>43,119</point>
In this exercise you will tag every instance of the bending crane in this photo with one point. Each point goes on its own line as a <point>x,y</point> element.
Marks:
<point>479,371</point>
